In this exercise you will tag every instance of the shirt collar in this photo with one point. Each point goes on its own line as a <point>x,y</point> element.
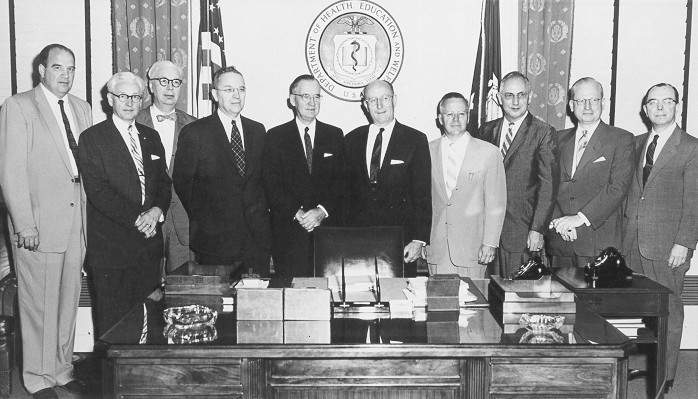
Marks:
<point>302,126</point>
<point>590,130</point>
<point>155,111</point>
<point>226,120</point>
<point>121,124</point>
<point>664,133</point>
<point>388,129</point>
<point>516,124</point>
<point>460,143</point>
<point>52,98</point>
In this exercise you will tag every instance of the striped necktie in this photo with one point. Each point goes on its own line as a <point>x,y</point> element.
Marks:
<point>508,139</point>
<point>138,160</point>
<point>581,146</point>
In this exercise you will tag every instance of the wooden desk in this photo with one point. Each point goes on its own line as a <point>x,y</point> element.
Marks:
<point>435,356</point>
<point>642,298</point>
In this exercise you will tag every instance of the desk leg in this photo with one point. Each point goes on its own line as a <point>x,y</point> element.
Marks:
<point>660,363</point>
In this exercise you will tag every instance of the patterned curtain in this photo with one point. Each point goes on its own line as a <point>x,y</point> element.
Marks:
<point>146,31</point>
<point>545,47</point>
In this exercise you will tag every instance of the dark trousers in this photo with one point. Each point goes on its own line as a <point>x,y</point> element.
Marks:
<point>118,291</point>
<point>253,256</point>
<point>571,261</point>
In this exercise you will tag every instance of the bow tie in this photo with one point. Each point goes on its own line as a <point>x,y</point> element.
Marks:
<point>172,117</point>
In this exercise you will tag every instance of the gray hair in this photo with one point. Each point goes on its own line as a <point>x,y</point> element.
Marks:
<point>585,80</point>
<point>125,76</point>
<point>158,66</point>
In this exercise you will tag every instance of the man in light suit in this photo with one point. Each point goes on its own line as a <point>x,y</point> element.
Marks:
<point>164,81</point>
<point>389,167</point>
<point>40,182</point>
<point>597,162</point>
<point>661,218</point>
<point>303,179</point>
<point>469,195</point>
<point>128,193</point>
<point>218,177</point>
<point>528,146</point>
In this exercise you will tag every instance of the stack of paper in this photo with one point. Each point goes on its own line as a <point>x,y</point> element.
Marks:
<point>629,327</point>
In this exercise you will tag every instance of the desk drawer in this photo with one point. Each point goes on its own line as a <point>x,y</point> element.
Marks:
<point>631,304</point>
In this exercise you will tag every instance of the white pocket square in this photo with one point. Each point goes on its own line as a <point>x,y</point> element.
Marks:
<point>327,154</point>
<point>600,159</point>
<point>396,162</point>
<point>154,157</point>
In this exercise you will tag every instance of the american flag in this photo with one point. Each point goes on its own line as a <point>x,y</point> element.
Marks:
<point>211,54</point>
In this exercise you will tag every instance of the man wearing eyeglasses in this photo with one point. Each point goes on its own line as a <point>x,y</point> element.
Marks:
<point>218,176</point>
<point>164,82</point>
<point>662,207</point>
<point>528,147</point>
<point>390,171</point>
<point>40,183</point>
<point>597,162</point>
<point>128,192</point>
<point>303,179</point>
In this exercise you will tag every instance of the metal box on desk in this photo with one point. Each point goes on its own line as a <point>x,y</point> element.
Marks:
<point>260,304</point>
<point>307,304</point>
<point>509,299</point>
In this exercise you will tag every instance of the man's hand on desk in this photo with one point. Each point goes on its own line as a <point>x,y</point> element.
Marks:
<point>486,254</point>
<point>413,251</point>
<point>311,219</point>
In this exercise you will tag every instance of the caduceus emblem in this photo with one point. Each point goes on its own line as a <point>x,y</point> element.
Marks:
<point>355,22</point>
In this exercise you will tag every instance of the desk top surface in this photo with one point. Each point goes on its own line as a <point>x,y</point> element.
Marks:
<point>573,278</point>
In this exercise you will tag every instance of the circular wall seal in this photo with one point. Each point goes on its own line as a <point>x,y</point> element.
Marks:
<point>350,44</point>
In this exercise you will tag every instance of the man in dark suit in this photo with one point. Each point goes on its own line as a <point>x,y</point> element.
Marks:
<point>390,170</point>
<point>597,162</point>
<point>218,177</point>
<point>662,207</point>
<point>528,146</point>
<point>164,81</point>
<point>128,192</point>
<point>303,179</point>
<point>46,204</point>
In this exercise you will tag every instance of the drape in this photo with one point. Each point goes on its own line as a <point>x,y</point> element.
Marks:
<point>146,31</point>
<point>545,44</point>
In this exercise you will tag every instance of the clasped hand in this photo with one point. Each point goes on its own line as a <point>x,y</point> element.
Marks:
<point>566,226</point>
<point>147,221</point>
<point>311,219</point>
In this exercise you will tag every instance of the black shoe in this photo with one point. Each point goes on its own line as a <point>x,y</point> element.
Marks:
<point>668,385</point>
<point>634,374</point>
<point>46,393</point>
<point>75,387</point>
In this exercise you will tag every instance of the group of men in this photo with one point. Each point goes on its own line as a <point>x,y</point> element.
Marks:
<point>239,195</point>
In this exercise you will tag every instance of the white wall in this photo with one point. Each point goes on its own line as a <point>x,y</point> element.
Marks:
<point>5,78</point>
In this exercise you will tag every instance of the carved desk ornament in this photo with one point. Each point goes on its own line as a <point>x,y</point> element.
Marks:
<point>608,271</point>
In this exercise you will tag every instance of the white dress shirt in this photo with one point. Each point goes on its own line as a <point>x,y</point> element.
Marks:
<point>311,132</point>
<point>578,135</point>
<point>459,147</point>
<point>514,128</point>
<point>166,130</point>
<point>663,138</point>
<point>372,133</point>
<point>56,109</point>
<point>228,126</point>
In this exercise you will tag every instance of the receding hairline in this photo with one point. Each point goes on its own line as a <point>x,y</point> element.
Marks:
<point>157,67</point>
<point>125,77</point>
<point>377,82</point>
<point>585,80</point>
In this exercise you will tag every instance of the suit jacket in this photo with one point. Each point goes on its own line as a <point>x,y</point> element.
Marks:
<point>177,214</point>
<point>474,214</point>
<point>402,196</point>
<point>289,185</point>
<point>532,175</point>
<point>114,194</point>
<point>597,189</point>
<point>35,172</point>
<point>222,206</point>
<point>665,211</point>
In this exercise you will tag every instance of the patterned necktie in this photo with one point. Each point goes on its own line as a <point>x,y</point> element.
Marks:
<point>308,150</point>
<point>451,169</point>
<point>649,160</point>
<point>238,151</point>
<point>508,139</point>
<point>172,117</point>
<point>376,157</point>
<point>138,160</point>
<point>69,133</point>
<point>581,146</point>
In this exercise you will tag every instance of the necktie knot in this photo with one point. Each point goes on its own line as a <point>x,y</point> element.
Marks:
<point>172,117</point>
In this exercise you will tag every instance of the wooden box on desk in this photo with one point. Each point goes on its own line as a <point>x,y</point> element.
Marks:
<point>194,279</point>
<point>511,298</point>
<point>442,292</point>
<point>260,303</point>
<point>307,304</point>
<point>260,332</point>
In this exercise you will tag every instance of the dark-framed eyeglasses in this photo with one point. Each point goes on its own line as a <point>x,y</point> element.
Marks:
<point>164,82</point>
<point>125,97</point>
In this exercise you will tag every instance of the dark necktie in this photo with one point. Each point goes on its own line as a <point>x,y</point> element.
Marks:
<point>172,117</point>
<point>308,150</point>
<point>649,160</point>
<point>69,133</point>
<point>376,157</point>
<point>236,145</point>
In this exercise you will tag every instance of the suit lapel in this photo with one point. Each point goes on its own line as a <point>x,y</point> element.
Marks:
<point>518,138</point>
<point>52,124</point>
<point>360,153</point>
<point>222,141</point>
<point>668,152</point>
<point>297,150</point>
<point>567,154</point>
<point>596,141</point>
<point>390,151</point>
<point>437,165</point>
<point>470,161</point>
<point>639,149</point>
<point>179,124</point>
<point>123,157</point>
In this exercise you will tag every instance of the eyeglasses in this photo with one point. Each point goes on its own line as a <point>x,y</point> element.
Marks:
<point>666,102</point>
<point>373,101</point>
<point>591,101</point>
<point>519,96</point>
<point>124,97</point>
<point>231,90</point>
<point>453,115</point>
<point>306,97</point>
<point>164,82</point>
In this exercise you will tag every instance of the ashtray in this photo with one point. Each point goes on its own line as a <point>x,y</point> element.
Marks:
<point>541,337</point>
<point>192,317</point>
<point>200,334</point>
<point>541,322</point>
